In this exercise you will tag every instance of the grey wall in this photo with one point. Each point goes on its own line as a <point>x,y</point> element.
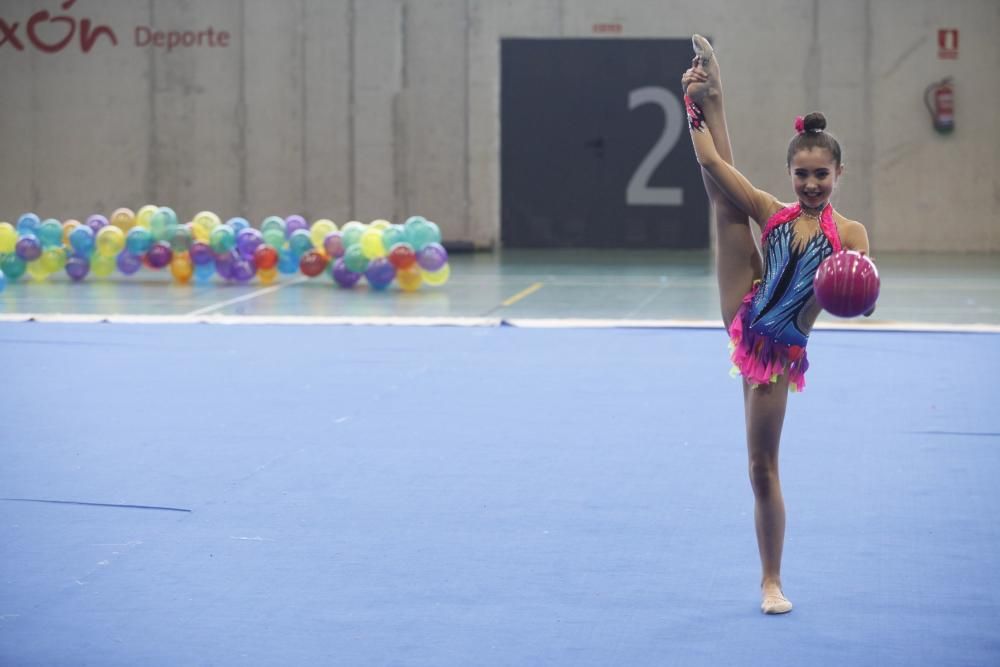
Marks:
<point>361,109</point>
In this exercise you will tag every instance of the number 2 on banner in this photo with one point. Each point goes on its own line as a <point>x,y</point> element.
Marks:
<point>639,192</point>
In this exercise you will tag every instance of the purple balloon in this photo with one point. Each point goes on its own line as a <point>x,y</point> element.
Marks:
<point>247,240</point>
<point>432,257</point>
<point>159,255</point>
<point>334,244</point>
<point>380,273</point>
<point>77,267</point>
<point>243,270</point>
<point>294,222</point>
<point>201,253</point>
<point>96,222</point>
<point>342,275</point>
<point>28,248</point>
<point>224,264</point>
<point>128,263</point>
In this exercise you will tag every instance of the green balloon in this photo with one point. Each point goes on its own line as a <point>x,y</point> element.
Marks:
<point>273,222</point>
<point>422,233</point>
<point>13,266</point>
<point>169,214</point>
<point>222,239</point>
<point>162,224</point>
<point>181,238</point>
<point>50,233</point>
<point>351,233</point>
<point>275,237</point>
<point>355,260</point>
<point>393,235</point>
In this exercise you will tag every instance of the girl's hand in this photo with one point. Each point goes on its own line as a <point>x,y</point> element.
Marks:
<point>694,82</point>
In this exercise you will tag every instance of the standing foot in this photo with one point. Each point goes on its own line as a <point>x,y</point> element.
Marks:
<point>773,601</point>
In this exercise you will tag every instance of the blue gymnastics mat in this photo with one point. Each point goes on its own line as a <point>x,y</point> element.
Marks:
<point>304,495</point>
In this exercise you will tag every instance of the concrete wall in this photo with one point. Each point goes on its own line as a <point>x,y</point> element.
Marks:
<point>360,109</point>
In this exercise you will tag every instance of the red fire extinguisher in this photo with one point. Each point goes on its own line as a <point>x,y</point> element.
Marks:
<point>940,100</point>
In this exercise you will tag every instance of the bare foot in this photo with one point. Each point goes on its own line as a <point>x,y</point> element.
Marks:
<point>773,601</point>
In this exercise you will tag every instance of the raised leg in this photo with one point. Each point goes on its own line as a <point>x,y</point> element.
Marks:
<point>737,259</point>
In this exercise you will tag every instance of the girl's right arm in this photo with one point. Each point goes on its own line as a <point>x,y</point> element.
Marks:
<point>755,203</point>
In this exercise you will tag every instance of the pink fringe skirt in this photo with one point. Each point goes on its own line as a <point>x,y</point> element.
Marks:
<point>759,358</point>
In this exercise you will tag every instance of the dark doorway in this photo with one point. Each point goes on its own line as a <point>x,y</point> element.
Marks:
<point>594,145</point>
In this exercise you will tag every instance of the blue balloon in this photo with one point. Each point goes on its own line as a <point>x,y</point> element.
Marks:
<point>81,239</point>
<point>138,240</point>
<point>299,242</point>
<point>204,272</point>
<point>287,262</point>
<point>237,224</point>
<point>28,223</point>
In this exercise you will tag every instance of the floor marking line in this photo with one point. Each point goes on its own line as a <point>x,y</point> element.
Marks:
<point>523,293</point>
<point>86,504</point>
<point>645,302</point>
<point>245,297</point>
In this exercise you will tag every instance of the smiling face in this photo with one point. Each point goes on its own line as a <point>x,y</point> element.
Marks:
<point>814,176</point>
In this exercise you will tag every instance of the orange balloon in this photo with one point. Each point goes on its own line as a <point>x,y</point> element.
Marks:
<point>409,279</point>
<point>123,218</point>
<point>267,276</point>
<point>181,267</point>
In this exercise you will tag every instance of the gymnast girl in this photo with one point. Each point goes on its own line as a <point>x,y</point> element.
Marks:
<point>768,305</point>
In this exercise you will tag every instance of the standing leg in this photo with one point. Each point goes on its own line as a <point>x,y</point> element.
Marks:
<point>737,259</point>
<point>765,414</point>
<point>738,264</point>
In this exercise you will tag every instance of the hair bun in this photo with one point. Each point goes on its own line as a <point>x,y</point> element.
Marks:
<point>814,122</point>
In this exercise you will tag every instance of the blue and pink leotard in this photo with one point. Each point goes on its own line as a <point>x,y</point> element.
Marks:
<point>765,336</point>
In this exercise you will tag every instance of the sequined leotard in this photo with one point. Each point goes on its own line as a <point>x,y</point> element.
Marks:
<point>765,338</point>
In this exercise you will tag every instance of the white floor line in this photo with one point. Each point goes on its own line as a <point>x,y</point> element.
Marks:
<point>527,323</point>
<point>245,297</point>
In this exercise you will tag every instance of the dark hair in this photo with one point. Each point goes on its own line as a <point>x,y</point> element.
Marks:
<point>812,134</point>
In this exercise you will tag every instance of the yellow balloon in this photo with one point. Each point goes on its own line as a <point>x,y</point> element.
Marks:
<point>52,260</point>
<point>200,232</point>
<point>102,266</point>
<point>145,214</point>
<point>409,279</point>
<point>110,241</point>
<point>380,224</point>
<point>123,218</point>
<point>319,231</point>
<point>68,227</point>
<point>181,267</point>
<point>267,276</point>
<point>371,243</point>
<point>208,219</point>
<point>8,238</point>
<point>37,270</point>
<point>436,278</point>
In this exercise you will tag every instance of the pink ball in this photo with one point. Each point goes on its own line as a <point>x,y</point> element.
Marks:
<point>847,284</point>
